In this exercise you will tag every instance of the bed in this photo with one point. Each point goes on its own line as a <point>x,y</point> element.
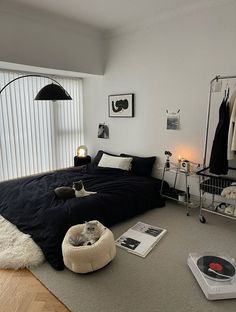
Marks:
<point>31,204</point>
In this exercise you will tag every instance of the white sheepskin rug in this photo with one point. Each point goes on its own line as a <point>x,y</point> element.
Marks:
<point>17,250</point>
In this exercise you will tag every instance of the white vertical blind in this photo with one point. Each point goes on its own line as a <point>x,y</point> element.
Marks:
<point>37,136</point>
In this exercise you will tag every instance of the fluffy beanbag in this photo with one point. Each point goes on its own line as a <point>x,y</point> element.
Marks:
<point>84,259</point>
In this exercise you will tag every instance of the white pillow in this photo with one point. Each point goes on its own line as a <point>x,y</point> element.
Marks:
<point>117,162</point>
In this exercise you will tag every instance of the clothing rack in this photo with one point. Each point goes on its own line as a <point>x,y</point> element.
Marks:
<point>211,183</point>
<point>216,78</point>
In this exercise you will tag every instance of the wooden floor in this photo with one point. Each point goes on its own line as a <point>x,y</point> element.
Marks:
<point>20,291</point>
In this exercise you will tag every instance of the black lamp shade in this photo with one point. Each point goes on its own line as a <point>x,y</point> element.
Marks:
<point>52,92</point>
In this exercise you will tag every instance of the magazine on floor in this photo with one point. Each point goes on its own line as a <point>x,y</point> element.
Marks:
<point>140,238</point>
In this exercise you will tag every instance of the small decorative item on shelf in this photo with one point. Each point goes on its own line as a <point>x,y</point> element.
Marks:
<point>173,192</point>
<point>168,155</point>
<point>82,151</point>
<point>184,165</point>
<point>182,196</point>
<point>179,160</point>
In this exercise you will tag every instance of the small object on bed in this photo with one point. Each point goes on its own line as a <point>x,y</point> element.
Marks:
<point>141,166</point>
<point>80,190</point>
<point>77,190</point>
<point>64,192</point>
<point>117,162</point>
<point>99,154</point>
<point>84,259</point>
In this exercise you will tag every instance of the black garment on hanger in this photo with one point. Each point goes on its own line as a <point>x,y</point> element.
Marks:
<point>218,160</point>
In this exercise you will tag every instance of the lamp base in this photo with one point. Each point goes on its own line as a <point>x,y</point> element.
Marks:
<point>80,161</point>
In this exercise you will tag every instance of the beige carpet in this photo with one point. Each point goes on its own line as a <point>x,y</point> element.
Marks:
<point>161,282</point>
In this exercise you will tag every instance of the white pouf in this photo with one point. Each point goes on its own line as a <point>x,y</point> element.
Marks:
<point>84,259</point>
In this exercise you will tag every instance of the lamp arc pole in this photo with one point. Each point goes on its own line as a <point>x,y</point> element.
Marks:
<point>65,95</point>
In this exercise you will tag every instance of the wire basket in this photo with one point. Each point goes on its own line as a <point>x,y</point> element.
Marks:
<point>215,184</point>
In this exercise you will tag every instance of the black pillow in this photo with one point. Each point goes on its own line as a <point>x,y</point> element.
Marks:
<point>99,156</point>
<point>141,166</point>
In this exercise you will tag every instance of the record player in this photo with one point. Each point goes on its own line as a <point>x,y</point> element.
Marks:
<point>215,274</point>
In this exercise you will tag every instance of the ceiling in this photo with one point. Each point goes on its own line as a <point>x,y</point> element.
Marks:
<point>107,15</point>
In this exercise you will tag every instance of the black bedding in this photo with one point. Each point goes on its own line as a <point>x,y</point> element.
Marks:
<point>30,203</point>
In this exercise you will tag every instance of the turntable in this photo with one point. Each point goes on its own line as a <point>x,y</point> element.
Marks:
<point>215,275</point>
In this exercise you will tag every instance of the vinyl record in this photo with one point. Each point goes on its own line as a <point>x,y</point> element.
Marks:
<point>216,268</point>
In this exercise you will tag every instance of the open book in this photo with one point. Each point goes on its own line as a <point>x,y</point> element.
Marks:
<point>140,238</point>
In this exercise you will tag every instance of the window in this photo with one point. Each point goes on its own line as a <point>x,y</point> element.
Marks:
<point>37,136</point>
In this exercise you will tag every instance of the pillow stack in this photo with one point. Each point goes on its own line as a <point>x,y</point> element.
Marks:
<point>99,156</point>
<point>123,163</point>
<point>140,166</point>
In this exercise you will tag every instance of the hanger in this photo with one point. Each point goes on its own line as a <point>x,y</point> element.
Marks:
<point>227,89</point>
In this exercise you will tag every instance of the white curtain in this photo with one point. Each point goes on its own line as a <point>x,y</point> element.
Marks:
<point>37,136</point>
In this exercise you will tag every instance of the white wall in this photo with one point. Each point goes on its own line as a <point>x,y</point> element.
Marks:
<point>168,65</point>
<point>33,38</point>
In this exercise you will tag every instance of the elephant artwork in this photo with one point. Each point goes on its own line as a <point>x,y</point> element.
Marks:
<point>118,106</point>
<point>121,105</point>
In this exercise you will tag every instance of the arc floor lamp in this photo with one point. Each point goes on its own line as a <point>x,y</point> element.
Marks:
<point>50,92</point>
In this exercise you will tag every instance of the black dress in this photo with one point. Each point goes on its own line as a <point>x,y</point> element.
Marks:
<point>218,160</point>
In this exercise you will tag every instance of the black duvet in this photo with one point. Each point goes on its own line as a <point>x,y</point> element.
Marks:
<point>30,203</point>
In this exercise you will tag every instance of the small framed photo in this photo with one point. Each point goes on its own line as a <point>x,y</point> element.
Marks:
<point>103,131</point>
<point>173,120</point>
<point>121,105</point>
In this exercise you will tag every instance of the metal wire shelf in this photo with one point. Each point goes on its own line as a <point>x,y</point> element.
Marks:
<point>214,185</point>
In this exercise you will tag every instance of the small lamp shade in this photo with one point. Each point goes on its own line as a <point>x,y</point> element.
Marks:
<point>82,151</point>
<point>52,92</point>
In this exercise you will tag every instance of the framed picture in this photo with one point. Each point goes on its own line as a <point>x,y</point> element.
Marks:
<point>121,105</point>
<point>173,120</point>
<point>103,131</point>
